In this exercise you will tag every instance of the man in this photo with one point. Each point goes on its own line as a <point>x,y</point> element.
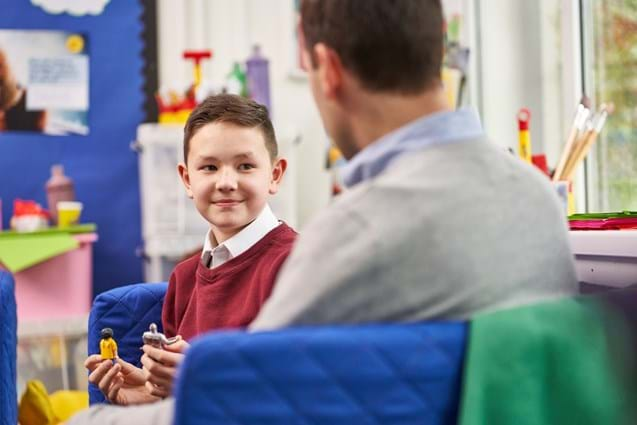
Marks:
<point>438,222</point>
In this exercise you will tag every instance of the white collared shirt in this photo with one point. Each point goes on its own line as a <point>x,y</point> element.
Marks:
<point>242,241</point>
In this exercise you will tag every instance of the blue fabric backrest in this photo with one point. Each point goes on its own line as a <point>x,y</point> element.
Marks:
<point>8,343</point>
<point>373,374</point>
<point>128,310</point>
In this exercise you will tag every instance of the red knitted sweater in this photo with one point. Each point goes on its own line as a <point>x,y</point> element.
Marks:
<point>230,295</point>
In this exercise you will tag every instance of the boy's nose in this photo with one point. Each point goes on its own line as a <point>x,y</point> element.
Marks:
<point>227,180</point>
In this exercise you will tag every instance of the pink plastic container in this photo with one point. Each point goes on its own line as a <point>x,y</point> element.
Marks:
<point>60,287</point>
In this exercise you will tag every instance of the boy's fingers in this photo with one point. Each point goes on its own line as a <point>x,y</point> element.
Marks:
<point>178,347</point>
<point>160,392</point>
<point>98,373</point>
<point>164,357</point>
<point>132,374</point>
<point>159,382</point>
<point>157,369</point>
<point>154,353</point>
<point>162,381</point>
<point>105,382</point>
<point>126,367</point>
<point>157,391</point>
<point>93,361</point>
<point>114,390</point>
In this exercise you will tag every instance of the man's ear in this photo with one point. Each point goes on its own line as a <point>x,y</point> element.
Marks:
<point>329,70</point>
<point>278,170</point>
<point>185,178</point>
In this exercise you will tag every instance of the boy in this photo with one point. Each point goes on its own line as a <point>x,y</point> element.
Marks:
<point>230,167</point>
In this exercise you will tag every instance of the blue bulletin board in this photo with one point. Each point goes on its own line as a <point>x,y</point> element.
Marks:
<point>101,163</point>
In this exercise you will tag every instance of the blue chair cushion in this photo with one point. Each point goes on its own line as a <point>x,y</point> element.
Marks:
<point>8,344</point>
<point>372,374</point>
<point>128,310</point>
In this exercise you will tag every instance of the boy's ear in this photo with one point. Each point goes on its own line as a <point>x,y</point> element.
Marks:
<point>185,178</point>
<point>329,70</point>
<point>278,170</point>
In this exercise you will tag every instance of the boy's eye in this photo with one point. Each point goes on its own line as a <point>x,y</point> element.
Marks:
<point>209,168</point>
<point>245,167</point>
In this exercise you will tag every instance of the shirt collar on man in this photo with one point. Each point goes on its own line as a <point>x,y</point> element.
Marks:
<point>242,241</point>
<point>442,127</point>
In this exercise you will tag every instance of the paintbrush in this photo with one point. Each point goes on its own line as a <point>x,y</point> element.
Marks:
<point>587,141</point>
<point>581,114</point>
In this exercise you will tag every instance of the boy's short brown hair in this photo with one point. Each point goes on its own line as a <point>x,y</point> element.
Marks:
<point>390,45</point>
<point>237,110</point>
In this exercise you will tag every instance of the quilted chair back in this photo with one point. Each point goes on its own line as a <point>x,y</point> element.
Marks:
<point>372,374</point>
<point>128,310</point>
<point>8,344</point>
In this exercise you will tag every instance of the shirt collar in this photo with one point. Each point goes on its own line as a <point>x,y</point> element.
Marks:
<point>434,129</point>
<point>251,234</point>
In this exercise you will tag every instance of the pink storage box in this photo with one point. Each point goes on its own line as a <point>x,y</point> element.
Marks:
<point>60,287</point>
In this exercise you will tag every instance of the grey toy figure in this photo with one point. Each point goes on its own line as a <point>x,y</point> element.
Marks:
<point>157,339</point>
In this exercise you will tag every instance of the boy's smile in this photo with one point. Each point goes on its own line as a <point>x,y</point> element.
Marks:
<point>229,176</point>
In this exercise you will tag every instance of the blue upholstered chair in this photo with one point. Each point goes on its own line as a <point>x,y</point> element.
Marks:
<point>335,374</point>
<point>128,310</point>
<point>423,373</point>
<point>8,342</point>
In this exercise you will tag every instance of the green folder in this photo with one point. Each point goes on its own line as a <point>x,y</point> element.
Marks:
<point>603,216</point>
<point>21,250</point>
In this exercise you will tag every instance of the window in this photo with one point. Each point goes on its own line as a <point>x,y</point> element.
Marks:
<point>610,75</point>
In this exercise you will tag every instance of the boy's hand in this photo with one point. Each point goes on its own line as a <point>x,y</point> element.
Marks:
<point>120,382</point>
<point>160,366</point>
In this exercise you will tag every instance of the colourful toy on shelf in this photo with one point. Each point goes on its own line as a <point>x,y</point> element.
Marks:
<point>236,82</point>
<point>59,188</point>
<point>175,108</point>
<point>258,78</point>
<point>157,339</point>
<point>524,121</point>
<point>28,216</point>
<point>108,346</point>
<point>197,56</point>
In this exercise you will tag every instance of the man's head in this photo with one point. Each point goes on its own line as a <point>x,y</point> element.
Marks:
<point>230,162</point>
<point>389,45</point>
<point>107,333</point>
<point>359,51</point>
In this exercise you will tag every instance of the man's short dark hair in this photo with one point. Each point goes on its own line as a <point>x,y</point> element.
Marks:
<point>390,45</point>
<point>237,110</point>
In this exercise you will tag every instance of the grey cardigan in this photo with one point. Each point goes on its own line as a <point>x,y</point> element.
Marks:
<point>445,232</point>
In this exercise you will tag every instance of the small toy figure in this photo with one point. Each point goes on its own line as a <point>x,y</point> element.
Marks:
<point>156,338</point>
<point>108,346</point>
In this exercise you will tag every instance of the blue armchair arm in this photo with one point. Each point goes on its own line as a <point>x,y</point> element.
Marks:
<point>8,343</point>
<point>128,310</point>
<point>408,373</point>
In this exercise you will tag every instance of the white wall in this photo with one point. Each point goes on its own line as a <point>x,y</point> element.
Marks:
<point>230,28</point>
<point>510,67</point>
<point>519,58</point>
<point>527,61</point>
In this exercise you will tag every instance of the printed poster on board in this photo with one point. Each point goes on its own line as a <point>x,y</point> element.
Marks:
<point>44,82</point>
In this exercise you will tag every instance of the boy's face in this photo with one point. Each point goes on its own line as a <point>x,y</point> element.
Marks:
<point>229,176</point>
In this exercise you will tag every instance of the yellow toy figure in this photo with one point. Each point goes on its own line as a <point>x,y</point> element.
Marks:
<point>108,346</point>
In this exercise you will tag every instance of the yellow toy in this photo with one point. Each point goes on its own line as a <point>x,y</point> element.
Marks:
<point>38,407</point>
<point>108,346</point>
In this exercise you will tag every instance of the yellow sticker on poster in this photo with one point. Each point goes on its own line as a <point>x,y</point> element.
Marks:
<point>75,43</point>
